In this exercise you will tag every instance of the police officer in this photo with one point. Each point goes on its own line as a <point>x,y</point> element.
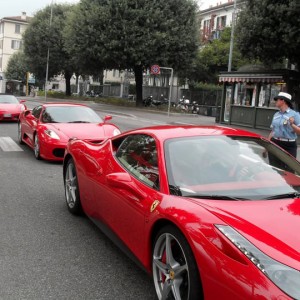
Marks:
<point>285,124</point>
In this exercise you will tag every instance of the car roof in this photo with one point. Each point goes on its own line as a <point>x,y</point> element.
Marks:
<point>176,131</point>
<point>63,104</point>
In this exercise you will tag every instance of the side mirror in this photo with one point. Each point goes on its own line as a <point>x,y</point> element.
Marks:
<point>22,101</point>
<point>124,181</point>
<point>107,118</point>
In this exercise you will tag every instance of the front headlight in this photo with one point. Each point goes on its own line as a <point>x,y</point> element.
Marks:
<point>52,134</point>
<point>286,278</point>
<point>116,132</point>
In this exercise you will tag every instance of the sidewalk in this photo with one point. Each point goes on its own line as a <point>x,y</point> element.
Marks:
<point>262,132</point>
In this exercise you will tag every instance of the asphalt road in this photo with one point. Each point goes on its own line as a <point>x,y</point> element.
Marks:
<point>45,252</point>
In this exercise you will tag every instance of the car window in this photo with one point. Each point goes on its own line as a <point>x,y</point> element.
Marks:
<point>138,154</point>
<point>37,111</point>
<point>236,167</point>
<point>70,114</point>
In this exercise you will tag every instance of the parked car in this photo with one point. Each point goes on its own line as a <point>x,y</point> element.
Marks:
<point>10,107</point>
<point>210,212</point>
<point>48,127</point>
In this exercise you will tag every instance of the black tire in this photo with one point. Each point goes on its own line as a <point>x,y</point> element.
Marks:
<point>36,147</point>
<point>164,274</point>
<point>72,195</point>
<point>19,134</point>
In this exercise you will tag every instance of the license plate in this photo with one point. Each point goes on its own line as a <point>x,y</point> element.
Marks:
<point>7,115</point>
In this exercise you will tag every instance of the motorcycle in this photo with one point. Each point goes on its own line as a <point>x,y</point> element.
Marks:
<point>148,101</point>
<point>183,104</point>
<point>195,108</point>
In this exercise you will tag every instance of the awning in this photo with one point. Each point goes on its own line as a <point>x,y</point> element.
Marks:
<point>251,78</point>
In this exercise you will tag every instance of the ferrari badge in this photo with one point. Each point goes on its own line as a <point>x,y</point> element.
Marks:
<point>154,205</point>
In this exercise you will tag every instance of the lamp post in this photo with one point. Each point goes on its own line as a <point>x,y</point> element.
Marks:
<point>48,53</point>
<point>171,86</point>
<point>232,37</point>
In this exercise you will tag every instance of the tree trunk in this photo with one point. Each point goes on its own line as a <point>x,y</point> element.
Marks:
<point>76,83</point>
<point>101,76</point>
<point>68,83</point>
<point>138,73</point>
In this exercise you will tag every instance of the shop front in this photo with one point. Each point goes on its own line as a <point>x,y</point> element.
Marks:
<point>248,96</point>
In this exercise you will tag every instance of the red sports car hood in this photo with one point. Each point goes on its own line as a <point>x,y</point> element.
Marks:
<point>79,130</point>
<point>11,108</point>
<point>272,225</point>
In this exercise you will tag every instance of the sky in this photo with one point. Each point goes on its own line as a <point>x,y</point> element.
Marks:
<point>204,4</point>
<point>10,8</point>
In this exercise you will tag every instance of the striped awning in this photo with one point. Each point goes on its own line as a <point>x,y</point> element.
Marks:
<point>251,78</point>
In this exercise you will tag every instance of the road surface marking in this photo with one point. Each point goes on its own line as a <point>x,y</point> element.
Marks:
<point>7,144</point>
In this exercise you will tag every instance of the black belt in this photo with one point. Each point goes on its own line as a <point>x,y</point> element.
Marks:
<point>284,140</point>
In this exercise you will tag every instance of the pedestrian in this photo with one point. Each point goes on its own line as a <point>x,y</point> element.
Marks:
<point>285,124</point>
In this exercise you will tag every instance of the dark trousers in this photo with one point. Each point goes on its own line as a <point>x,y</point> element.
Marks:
<point>290,147</point>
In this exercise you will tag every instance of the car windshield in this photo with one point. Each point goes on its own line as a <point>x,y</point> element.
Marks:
<point>230,168</point>
<point>70,114</point>
<point>8,99</point>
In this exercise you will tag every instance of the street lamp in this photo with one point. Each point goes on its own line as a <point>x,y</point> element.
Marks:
<point>48,53</point>
<point>232,37</point>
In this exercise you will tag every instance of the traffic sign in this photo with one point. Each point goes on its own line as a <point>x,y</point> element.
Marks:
<point>31,79</point>
<point>155,70</point>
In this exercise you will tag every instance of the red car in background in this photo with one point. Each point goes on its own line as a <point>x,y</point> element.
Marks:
<point>210,212</point>
<point>10,107</point>
<point>48,127</point>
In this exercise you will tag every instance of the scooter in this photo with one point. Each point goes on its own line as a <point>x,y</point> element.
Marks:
<point>148,101</point>
<point>195,108</point>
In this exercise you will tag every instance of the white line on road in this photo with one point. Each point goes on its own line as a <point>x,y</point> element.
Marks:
<point>7,144</point>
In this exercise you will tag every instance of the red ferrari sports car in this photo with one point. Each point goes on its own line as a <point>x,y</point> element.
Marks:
<point>210,212</point>
<point>48,127</point>
<point>10,107</point>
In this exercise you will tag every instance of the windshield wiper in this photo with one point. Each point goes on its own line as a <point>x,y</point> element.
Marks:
<point>282,196</point>
<point>216,197</point>
<point>175,190</point>
<point>79,122</point>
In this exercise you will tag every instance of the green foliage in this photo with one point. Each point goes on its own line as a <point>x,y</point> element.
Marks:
<point>53,94</point>
<point>130,34</point>
<point>207,87</point>
<point>213,58</point>
<point>106,100</point>
<point>17,67</point>
<point>126,33</point>
<point>41,36</point>
<point>270,30</point>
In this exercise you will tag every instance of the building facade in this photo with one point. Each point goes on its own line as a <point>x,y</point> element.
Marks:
<point>214,19</point>
<point>11,30</point>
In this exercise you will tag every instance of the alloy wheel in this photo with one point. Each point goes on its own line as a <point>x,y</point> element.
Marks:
<point>36,147</point>
<point>71,186</point>
<point>170,268</point>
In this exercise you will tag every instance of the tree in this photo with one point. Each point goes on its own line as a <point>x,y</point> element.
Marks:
<point>40,36</point>
<point>269,30</point>
<point>130,34</point>
<point>213,58</point>
<point>17,67</point>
